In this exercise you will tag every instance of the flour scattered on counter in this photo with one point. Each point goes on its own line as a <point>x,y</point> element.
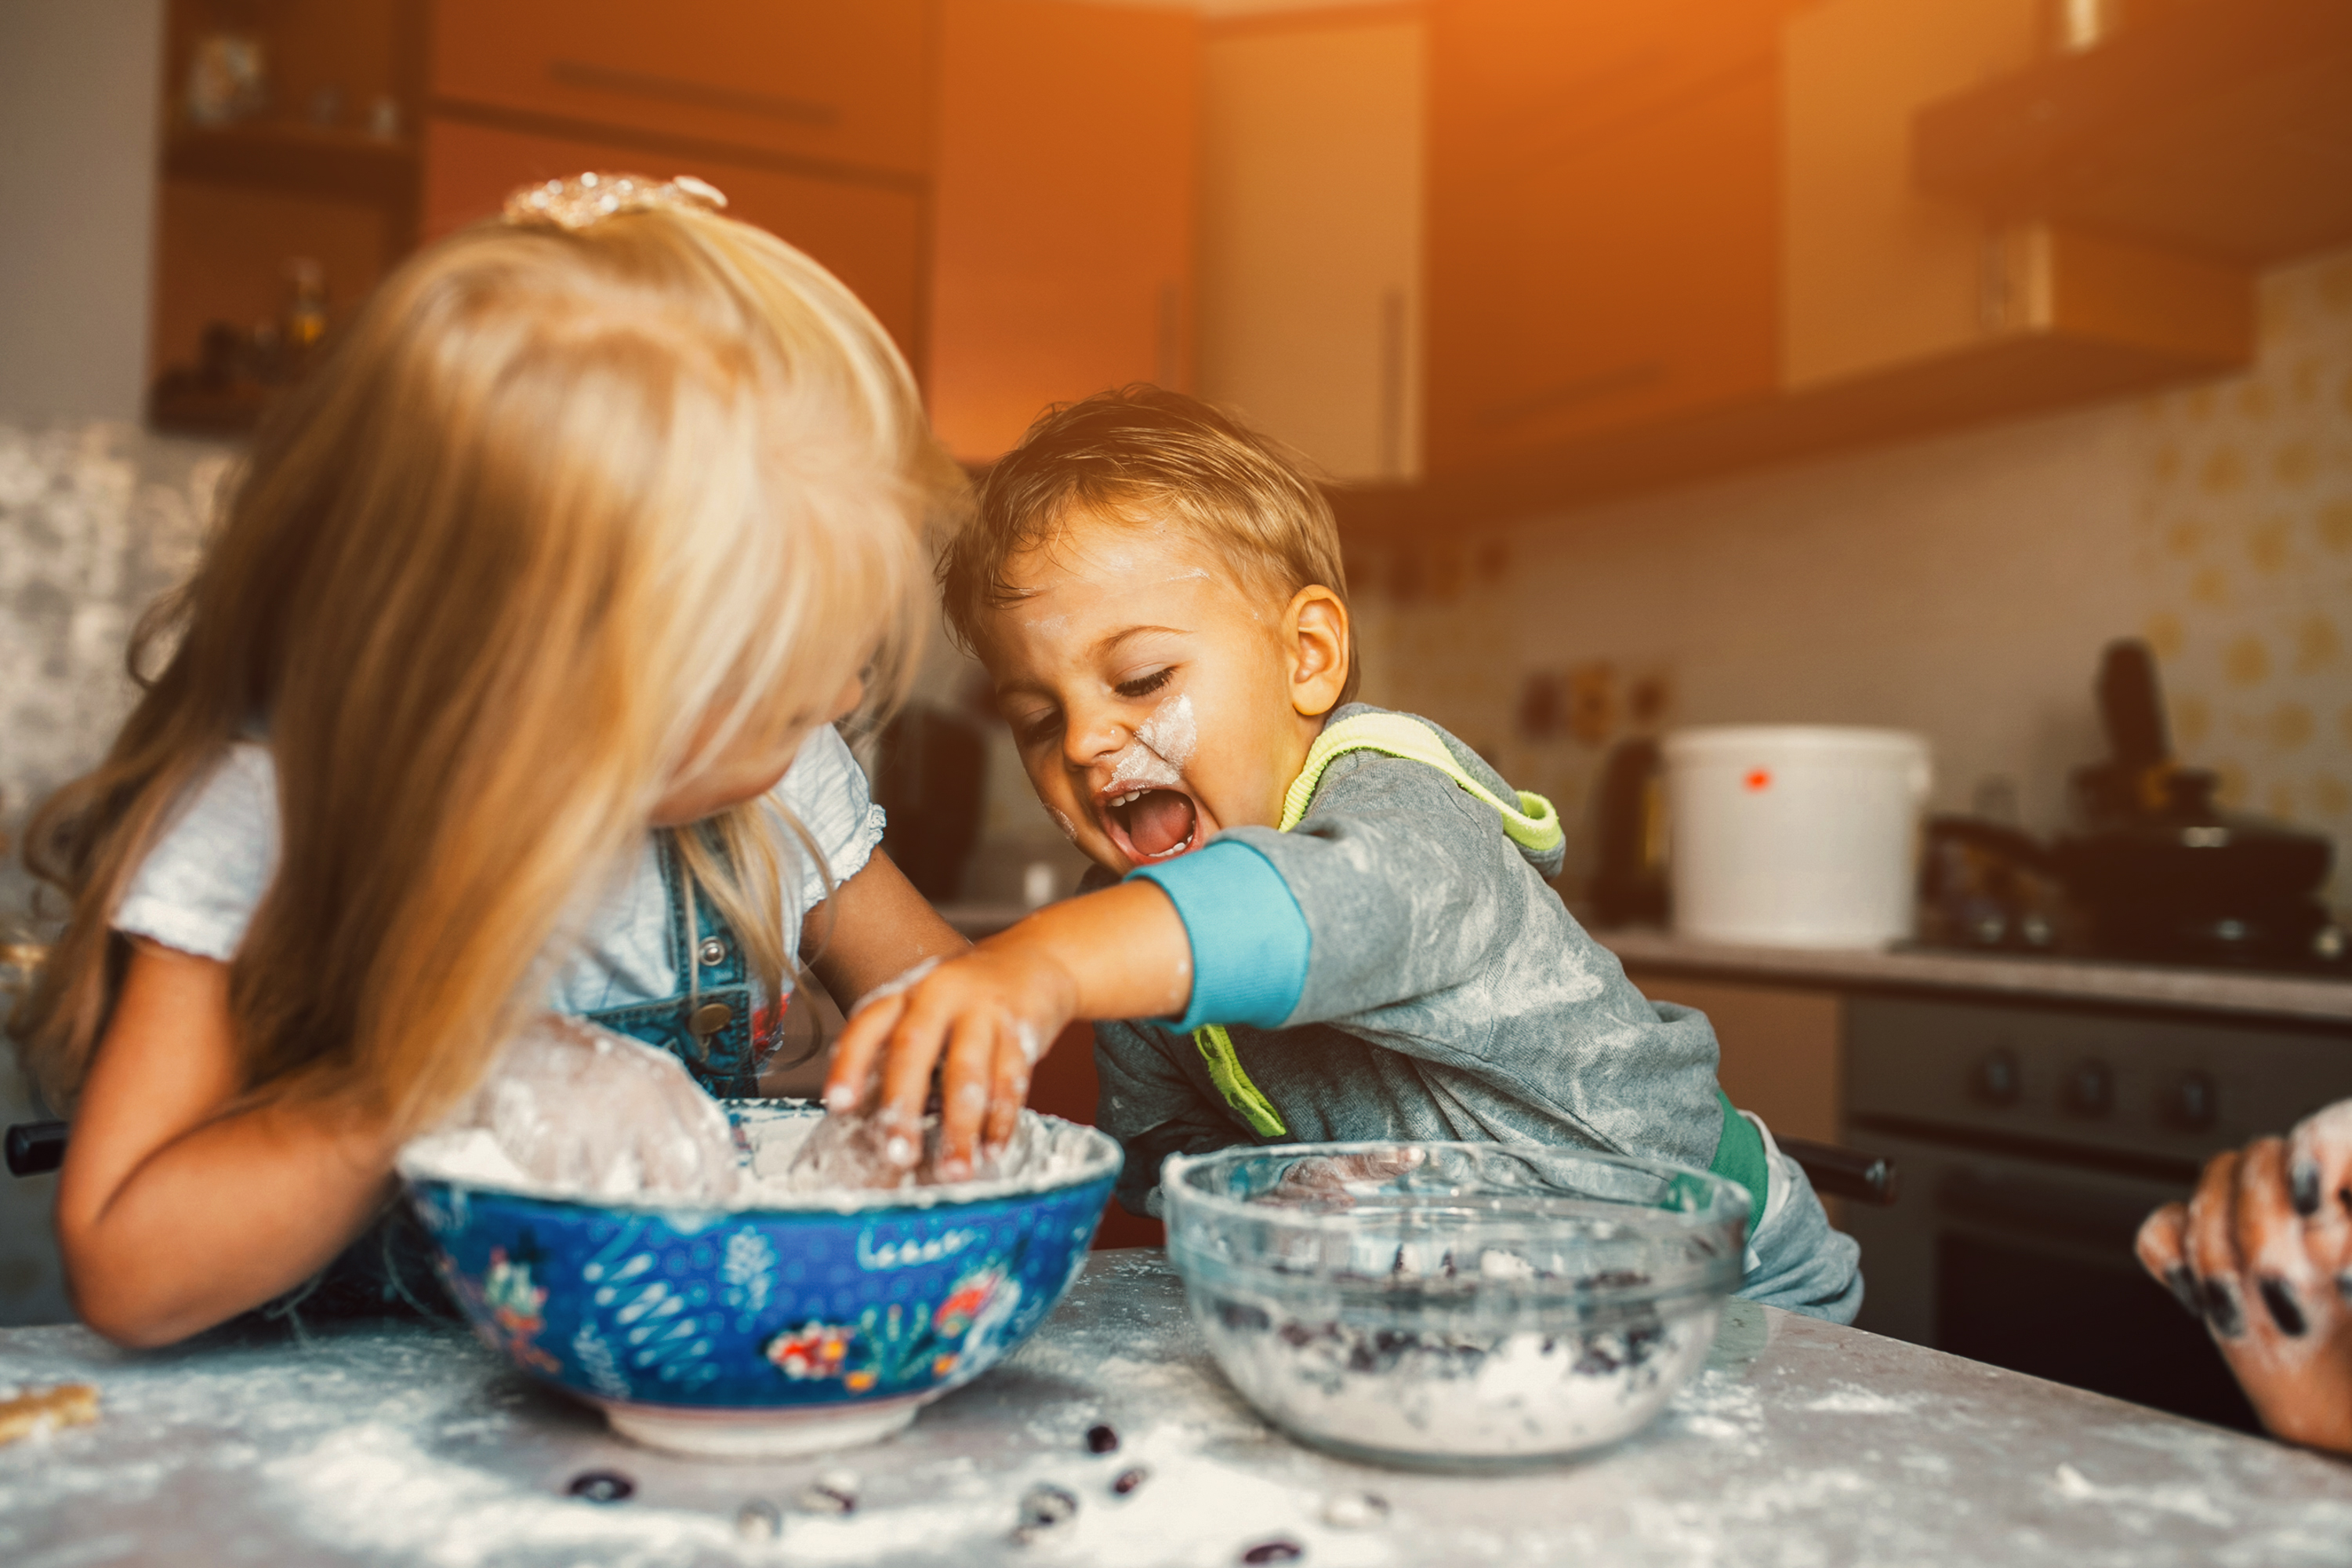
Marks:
<point>2188,1502</point>
<point>1850,1400</point>
<point>371,1488</point>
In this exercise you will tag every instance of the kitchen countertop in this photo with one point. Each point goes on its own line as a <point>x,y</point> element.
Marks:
<point>1802,1443</point>
<point>2308,998</point>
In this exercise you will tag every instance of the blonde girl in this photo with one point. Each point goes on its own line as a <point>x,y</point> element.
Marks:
<point>508,683</point>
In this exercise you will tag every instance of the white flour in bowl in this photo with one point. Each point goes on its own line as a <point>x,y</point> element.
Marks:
<point>1448,1395</point>
<point>577,1112</point>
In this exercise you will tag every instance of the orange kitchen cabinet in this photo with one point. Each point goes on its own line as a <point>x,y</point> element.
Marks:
<point>1604,208</point>
<point>1063,196</point>
<point>869,234</point>
<point>1906,297</point>
<point>839,82</point>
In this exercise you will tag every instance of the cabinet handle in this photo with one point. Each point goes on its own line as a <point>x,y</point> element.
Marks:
<point>35,1148</point>
<point>1839,1173</point>
<point>701,95</point>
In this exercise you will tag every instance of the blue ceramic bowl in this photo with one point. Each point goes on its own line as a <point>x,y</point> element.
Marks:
<point>771,1331</point>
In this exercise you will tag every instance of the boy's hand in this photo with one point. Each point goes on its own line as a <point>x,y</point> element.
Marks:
<point>983,1020</point>
<point>986,1017</point>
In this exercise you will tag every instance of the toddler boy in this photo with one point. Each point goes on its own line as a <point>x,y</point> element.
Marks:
<point>1329,922</point>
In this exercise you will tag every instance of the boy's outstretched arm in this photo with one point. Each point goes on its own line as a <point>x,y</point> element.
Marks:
<point>1122,952</point>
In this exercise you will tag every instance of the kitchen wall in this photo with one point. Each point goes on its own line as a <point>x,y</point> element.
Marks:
<point>1961,587</point>
<point>77,184</point>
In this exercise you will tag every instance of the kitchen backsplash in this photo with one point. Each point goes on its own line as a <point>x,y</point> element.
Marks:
<point>96,519</point>
<point>1961,587</point>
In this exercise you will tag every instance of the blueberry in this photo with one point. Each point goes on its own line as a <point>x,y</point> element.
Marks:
<point>1126,1481</point>
<point>602,1486</point>
<point>1043,1507</point>
<point>1275,1550</point>
<point>1100,1438</point>
<point>835,1492</point>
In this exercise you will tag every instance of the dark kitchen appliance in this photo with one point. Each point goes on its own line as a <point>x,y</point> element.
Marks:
<point>2150,868</point>
<point>1628,876</point>
<point>2034,1141</point>
<point>2160,871</point>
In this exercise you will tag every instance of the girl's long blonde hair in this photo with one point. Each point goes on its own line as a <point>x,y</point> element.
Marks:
<point>555,499</point>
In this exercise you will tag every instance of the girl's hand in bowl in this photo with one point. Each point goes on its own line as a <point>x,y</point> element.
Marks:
<point>580,1106</point>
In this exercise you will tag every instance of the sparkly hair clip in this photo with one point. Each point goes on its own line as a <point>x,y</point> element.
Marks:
<point>584,199</point>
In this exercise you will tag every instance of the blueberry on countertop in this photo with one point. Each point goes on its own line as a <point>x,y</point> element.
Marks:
<point>602,1486</point>
<point>1102,1438</point>
<point>1128,1479</point>
<point>834,1491</point>
<point>1275,1550</point>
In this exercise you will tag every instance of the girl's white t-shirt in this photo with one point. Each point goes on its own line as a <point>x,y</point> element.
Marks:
<point>198,886</point>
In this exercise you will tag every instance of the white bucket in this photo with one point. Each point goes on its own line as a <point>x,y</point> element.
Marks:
<point>1795,835</point>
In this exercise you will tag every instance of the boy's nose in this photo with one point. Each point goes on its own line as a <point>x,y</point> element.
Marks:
<point>1089,742</point>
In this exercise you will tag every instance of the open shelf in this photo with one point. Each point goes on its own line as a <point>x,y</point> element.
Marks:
<point>300,160</point>
<point>2220,127</point>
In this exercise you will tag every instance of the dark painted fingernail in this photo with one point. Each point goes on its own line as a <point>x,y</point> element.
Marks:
<point>2302,1187</point>
<point>2344,1287</point>
<point>2183,1286</point>
<point>2284,1311</point>
<point>2221,1308</point>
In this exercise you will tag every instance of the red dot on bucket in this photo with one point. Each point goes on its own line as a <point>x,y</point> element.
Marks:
<point>1759,778</point>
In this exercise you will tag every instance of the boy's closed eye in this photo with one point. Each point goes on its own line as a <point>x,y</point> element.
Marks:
<point>1145,685</point>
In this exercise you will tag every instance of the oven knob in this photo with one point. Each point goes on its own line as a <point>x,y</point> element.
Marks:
<point>1999,1079</point>
<point>2090,1089</point>
<point>2193,1103</point>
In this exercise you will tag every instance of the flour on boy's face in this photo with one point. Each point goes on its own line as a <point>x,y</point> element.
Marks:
<point>1147,691</point>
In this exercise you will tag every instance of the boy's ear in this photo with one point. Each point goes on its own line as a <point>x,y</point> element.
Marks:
<point>1316,638</point>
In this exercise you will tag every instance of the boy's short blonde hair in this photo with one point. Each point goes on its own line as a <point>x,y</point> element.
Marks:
<point>1151,457</point>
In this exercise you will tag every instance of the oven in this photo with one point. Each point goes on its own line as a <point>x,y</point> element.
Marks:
<point>2032,1140</point>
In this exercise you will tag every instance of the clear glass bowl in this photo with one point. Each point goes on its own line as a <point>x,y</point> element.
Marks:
<point>1466,1306</point>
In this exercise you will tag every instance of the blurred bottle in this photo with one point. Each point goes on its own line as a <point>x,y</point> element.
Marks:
<point>306,306</point>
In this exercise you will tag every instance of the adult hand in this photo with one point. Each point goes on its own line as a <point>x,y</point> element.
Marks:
<point>2263,1254</point>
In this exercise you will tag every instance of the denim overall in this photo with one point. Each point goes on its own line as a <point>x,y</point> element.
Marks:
<point>707,1025</point>
<point>389,1271</point>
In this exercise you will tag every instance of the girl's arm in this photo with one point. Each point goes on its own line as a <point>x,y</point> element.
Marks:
<point>173,1213</point>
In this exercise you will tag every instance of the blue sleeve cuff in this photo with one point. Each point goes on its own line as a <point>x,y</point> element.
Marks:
<point>1249,936</point>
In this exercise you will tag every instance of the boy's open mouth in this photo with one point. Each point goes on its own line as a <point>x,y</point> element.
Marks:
<point>1153,823</point>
